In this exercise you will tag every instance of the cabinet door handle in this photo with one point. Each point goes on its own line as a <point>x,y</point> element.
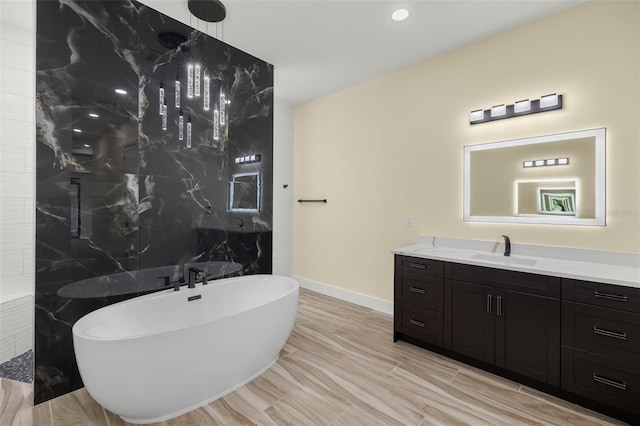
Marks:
<point>418,323</point>
<point>609,333</point>
<point>417,290</point>
<point>489,303</point>
<point>499,305</point>
<point>609,382</point>
<point>417,265</point>
<point>611,296</point>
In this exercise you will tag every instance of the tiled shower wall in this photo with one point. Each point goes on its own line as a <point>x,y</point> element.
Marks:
<point>16,190</point>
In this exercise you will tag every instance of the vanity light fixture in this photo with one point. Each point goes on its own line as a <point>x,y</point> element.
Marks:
<point>522,106</point>
<point>518,108</point>
<point>548,101</point>
<point>253,158</point>
<point>549,162</point>
<point>498,110</point>
<point>476,115</point>
<point>400,15</point>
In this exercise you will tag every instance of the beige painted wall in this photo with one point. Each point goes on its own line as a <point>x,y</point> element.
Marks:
<point>393,147</point>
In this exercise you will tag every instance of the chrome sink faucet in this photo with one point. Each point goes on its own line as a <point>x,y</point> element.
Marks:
<point>507,245</point>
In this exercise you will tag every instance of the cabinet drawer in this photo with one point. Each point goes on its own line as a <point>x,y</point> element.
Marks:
<point>605,380</point>
<point>421,266</point>
<point>607,331</point>
<point>523,282</point>
<point>605,295</point>
<point>424,291</point>
<point>424,324</point>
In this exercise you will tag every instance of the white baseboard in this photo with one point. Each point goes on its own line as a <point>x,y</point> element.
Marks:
<point>347,295</point>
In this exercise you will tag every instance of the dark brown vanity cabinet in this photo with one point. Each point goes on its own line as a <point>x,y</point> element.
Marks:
<point>576,338</point>
<point>504,318</point>
<point>418,299</point>
<point>601,343</point>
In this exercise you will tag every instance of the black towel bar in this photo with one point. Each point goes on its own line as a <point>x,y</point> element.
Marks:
<point>313,201</point>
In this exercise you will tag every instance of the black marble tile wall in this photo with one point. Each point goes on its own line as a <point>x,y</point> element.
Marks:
<point>120,201</point>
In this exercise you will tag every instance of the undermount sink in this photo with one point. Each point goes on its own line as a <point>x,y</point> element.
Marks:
<point>506,260</point>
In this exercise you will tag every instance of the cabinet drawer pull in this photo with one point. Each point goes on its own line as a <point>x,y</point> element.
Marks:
<point>499,305</point>
<point>489,303</point>
<point>417,290</point>
<point>610,382</point>
<point>417,265</point>
<point>609,333</point>
<point>610,296</point>
<point>418,323</point>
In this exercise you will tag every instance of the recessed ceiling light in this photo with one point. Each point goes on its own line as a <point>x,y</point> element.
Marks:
<point>400,15</point>
<point>93,115</point>
<point>77,130</point>
<point>121,91</point>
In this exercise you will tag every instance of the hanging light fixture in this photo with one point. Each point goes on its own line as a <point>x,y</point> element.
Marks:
<point>181,126</point>
<point>164,115</point>
<point>205,89</point>
<point>189,131</point>
<point>196,80</point>
<point>177,83</point>
<point>161,104</point>
<point>190,81</point>
<point>208,10</point>
<point>223,108</point>
<point>216,123</point>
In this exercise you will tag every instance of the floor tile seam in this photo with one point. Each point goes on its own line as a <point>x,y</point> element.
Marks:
<point>506,407</point>
<point>50,412</point>
<point>337,419</point>
<point>572,409</point>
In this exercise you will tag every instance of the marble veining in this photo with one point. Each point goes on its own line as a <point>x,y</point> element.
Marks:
<point>115,193</point>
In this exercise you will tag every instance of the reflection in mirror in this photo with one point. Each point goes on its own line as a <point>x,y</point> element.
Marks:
<point>555,179</point>
<point>244,192</point>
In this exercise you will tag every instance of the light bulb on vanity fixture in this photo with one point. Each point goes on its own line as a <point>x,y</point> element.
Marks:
<point>518,108</point>
<point>498,110</point>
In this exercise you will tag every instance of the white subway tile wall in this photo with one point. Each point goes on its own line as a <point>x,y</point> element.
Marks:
<point>283,122</point>
<point>17,176</point>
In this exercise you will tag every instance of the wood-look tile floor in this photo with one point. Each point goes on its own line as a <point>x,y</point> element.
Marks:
<point>339,367</point>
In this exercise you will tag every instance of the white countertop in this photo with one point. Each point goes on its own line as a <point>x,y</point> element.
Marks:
<point>589,265</point>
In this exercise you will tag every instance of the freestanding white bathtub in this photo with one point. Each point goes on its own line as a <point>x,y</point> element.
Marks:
<point>154,357</point>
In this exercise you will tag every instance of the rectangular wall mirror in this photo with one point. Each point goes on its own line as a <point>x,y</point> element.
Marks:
<point>554,179</point>
<point>244,192</point>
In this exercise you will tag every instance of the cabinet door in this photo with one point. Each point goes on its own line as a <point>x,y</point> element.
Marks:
<point>469,319</point>
<point>527,339</point>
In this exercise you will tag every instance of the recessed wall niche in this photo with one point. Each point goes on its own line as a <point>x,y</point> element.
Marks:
<point>122,200</point>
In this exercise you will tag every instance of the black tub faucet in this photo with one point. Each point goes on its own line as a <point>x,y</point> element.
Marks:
<point>193,274</point>
<point>507,245</point>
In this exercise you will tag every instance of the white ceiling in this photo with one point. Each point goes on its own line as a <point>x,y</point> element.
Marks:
<point>322,46</point>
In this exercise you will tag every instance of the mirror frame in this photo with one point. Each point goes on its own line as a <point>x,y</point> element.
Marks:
<point>600,177</point>
<point>258,176</point>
